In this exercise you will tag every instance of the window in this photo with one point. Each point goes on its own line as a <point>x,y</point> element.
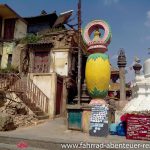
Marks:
<point>9,60</point>
<point>9,27</point>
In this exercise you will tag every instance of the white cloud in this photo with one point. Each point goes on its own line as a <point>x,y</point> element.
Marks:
<point>147,22</point>
<point>109,2</point>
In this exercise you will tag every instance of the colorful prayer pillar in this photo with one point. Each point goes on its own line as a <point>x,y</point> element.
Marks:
<point>97,74</point>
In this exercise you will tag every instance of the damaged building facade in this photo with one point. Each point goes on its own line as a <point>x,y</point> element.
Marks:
<point>46,56</point>
<point>12,28</point>
<point>53,66</point>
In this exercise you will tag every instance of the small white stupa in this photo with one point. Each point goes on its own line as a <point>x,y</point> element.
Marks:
<point>141,90</point>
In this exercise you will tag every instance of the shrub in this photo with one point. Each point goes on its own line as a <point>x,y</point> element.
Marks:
<point>30,38</point>
<point>9,69</point>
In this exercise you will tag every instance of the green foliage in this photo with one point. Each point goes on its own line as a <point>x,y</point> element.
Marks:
<point>9,69</point>
<point>30,38</point>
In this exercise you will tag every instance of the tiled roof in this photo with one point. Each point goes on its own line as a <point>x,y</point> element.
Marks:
<point>7,12</point>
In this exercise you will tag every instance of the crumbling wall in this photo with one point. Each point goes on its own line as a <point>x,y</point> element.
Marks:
<point>8,48</point>
<point>20,29</point>
<point>19,59</point>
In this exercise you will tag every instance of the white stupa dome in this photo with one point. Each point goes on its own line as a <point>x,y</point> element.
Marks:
<point>141,91</point>
<point>146,68</point>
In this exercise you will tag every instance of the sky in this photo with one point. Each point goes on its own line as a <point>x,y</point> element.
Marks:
<point>128,19</point>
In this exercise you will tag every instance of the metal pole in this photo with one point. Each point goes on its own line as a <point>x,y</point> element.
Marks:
<point>79,52</point>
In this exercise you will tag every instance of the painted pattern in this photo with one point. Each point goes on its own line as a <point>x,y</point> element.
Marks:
<point>97,75</point>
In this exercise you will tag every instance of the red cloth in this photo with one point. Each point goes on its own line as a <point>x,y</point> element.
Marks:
<point>138,127</point>
<point>124,117</point>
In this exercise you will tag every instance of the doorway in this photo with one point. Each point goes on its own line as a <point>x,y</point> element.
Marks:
<point>59,95</point>
<point>41,62</point>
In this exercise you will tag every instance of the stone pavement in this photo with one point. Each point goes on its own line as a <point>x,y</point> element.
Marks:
<point>51,134</point>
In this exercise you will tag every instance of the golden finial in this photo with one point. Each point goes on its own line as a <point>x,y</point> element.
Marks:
<point>97,35</point>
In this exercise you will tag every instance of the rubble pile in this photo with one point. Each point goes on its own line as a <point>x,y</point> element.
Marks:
<point>14,108</point>
<point>15,114</point>
<point>24,120</point>
<point>6,122</point>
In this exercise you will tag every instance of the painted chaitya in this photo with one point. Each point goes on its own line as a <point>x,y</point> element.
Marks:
<point>97,74</point>
<point>98,66</point>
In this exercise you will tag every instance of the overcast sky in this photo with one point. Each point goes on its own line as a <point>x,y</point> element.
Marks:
<point>129,20</point>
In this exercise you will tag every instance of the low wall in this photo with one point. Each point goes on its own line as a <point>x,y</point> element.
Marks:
<point>47,83</point>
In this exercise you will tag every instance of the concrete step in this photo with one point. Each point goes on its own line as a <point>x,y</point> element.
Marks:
<point>42,117</point>
<point>4,146</point>
<point>33,108</point>
<point>39,113</point>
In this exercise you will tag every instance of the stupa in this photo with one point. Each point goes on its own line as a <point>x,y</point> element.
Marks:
<point>141,90</point>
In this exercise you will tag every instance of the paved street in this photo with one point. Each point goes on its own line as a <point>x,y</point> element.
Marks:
<point>53,133</point>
